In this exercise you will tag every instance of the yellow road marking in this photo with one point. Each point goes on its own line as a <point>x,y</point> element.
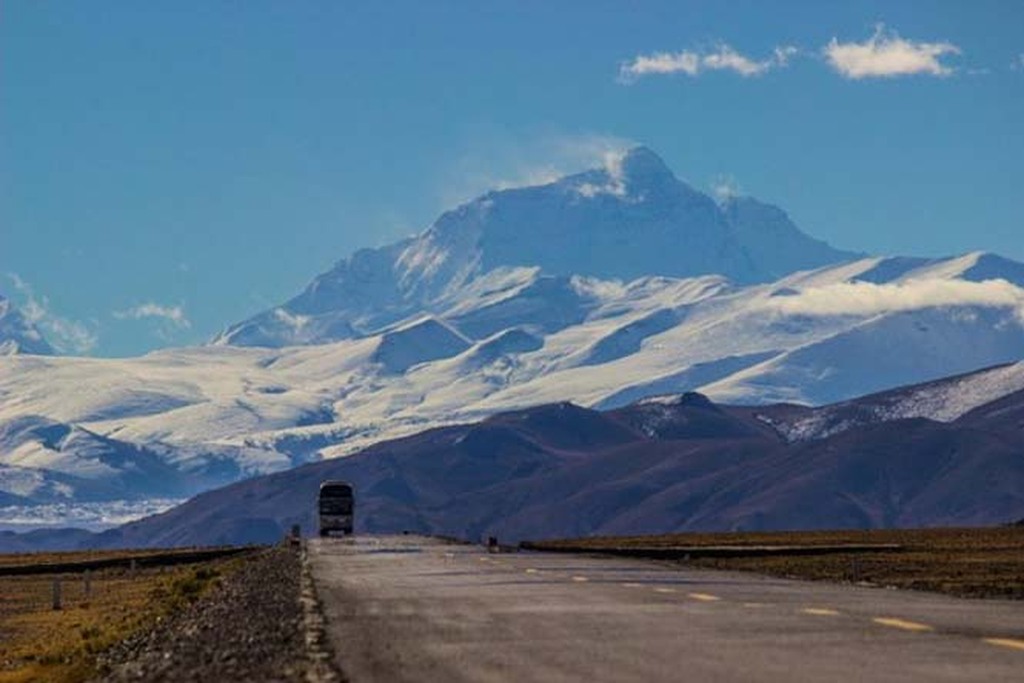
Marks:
<point>820,611</point>
<point>580,579</point>
<point>902,623</point>
<point>1006,642</point>
<point>753,605</point>
<point>531,570</point>
<point>631,585</point>
<point>705,597</point>
<point>664,590</point>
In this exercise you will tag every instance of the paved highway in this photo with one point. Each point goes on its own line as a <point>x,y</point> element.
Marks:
<point>407,608</point>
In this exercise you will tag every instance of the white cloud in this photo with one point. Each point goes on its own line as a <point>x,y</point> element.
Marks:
<point>725,187</point>
<point>885,54</point>
<point>499,160</point>
<point>172,314</point>
<point>690,63</point>
<point>1018,63</point>
<point>64,334</point>
<point>868,298</point>
<point>19,284</point>
<point>660,63</point>
<point>296,322</point>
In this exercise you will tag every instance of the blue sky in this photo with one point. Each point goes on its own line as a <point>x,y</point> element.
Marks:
<point>168,168</point>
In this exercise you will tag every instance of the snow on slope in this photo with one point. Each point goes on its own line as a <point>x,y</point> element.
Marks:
<point>886,351</point>
<point>420,341</point>
<point>944,400</point>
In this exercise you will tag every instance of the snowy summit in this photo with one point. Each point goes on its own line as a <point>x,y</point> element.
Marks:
<point>628,219</point>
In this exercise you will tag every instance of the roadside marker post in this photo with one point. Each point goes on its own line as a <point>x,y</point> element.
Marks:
<point>87,584</point>
<point>56,594</point>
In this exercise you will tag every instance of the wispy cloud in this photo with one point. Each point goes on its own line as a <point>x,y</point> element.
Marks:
<point>885,55</point>
<point>868,298</point>
<point>1018,63</point>
<point>64,334</point>
<point>725,187</point>
<point>691,63</point>
<point>175,315</point>
<point>499,160</point>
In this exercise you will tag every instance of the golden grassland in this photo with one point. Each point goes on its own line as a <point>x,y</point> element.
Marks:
<point>982,562</point>
<point>38,643</point>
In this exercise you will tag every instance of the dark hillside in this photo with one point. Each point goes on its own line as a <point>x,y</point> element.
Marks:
<point>658,466</point>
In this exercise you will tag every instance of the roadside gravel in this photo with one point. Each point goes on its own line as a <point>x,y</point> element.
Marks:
<point>250,627</point>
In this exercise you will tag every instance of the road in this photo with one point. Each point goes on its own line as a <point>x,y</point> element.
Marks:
<point>407,608</point>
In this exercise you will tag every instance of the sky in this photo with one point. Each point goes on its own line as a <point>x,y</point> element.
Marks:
<point>170,168</point>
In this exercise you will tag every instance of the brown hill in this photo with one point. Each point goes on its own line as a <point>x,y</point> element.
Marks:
<point>658,466</point>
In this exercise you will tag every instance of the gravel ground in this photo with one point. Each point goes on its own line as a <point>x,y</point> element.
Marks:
<point>248,628</point>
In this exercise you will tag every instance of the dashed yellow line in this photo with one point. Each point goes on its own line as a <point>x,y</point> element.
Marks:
<point>580,579</point>
<point>630,584</point>
<point>1011,643</point>
<point>820,611</point>
<point>531,570</point>
<point>664,590</point>
<point>754,605</point>
<point>705,597</point>
<point>903,624</point>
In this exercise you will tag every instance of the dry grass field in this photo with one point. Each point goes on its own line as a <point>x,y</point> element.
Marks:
<point>964,562</point>
<point>39,643</point>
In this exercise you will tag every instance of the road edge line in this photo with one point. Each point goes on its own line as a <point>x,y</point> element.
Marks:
<point>320,667</point>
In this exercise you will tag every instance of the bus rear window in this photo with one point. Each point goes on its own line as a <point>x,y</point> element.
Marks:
<point>336,506</point>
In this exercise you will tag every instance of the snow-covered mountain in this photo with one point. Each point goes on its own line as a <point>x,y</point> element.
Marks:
<point>17,334</point>
<point>602,288</point>
<point>521,338</point>
<point>631,219</point>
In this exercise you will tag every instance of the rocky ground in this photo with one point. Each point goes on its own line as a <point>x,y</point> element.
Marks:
<point>249,627</point>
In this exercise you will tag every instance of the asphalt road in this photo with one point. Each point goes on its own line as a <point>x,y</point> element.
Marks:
<point>407,608</point>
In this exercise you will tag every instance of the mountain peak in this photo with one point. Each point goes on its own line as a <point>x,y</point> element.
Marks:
<point>642,164</point>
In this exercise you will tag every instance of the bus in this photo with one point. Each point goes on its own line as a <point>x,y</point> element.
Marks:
<point>335,507</point>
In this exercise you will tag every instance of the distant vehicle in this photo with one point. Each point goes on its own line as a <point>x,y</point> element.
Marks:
<point>335,507</point>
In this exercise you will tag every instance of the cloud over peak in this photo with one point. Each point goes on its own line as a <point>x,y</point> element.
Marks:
<point>690,63</point>
<point>886,55</point>
<point>66,335</point>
